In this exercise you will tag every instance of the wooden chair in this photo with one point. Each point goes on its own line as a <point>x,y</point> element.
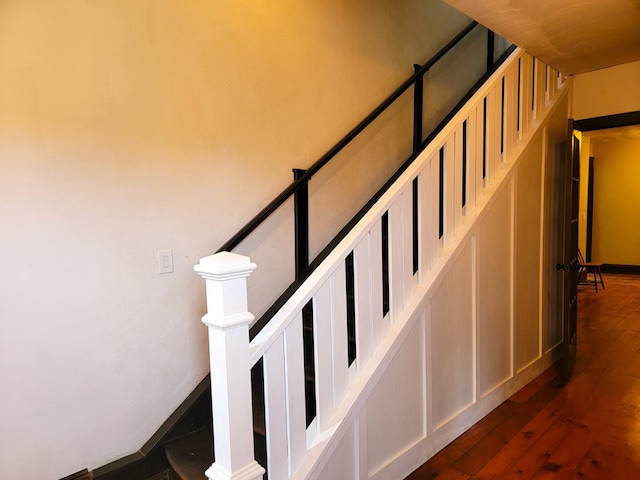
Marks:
<point>587,268</point>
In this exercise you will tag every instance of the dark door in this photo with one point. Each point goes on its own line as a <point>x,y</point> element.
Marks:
<point>569,264</point>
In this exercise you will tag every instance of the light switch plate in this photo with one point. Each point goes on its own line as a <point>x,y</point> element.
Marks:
<point>165,261</point>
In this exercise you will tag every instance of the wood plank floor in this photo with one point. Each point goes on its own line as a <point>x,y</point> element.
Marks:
<point>586,429</point>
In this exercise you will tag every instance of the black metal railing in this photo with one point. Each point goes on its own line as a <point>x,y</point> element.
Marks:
<point>302,177</point>
<point>300,187</point>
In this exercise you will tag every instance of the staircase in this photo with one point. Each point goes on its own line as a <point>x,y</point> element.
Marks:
<point>448,321</point>
<point>190,453</point>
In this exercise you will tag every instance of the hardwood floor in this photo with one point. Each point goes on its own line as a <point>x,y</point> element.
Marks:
<point>586,429</point>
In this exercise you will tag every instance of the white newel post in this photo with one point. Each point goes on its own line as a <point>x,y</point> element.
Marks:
<point>228,321</point>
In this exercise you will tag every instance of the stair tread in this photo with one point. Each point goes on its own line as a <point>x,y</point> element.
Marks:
<point>192,454</point>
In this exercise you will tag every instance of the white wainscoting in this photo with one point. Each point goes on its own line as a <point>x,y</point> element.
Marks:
<point>483,328</point>
<point>476,321</point>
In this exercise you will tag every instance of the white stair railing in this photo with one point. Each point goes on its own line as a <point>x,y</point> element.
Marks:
<point>454,178</point>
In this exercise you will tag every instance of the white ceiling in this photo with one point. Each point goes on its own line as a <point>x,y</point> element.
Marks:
<point>573,36</point>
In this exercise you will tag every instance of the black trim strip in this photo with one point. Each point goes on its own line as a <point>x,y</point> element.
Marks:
<point>620,269</point>
<point>308,328</point>
<point>284,196</point>
<point>519,93</point>
<point>464,163</point>
<point>81,475</point>
<point>264,319</point>
<point>609,121</point>
<point>415,224</point>
<point>502,118</point>
<point>441,194</point>
<point>352,347</point>
<point>484,138</point>
<point>385,263</point>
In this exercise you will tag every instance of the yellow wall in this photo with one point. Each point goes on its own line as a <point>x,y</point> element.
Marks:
<point>616,224</point>
<point>603,92</point>
<point>585,152</point>
<point>127,127</point>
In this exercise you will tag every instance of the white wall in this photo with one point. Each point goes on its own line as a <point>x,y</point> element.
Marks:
<point>607,91</point>
<point>130,127</point>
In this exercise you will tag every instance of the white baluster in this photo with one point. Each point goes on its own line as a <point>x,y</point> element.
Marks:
<point>228,321</point>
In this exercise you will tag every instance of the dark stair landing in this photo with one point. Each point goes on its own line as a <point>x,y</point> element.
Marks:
<point>191,455</point>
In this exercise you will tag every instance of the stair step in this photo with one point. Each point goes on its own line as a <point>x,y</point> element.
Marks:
<point>191,455</point>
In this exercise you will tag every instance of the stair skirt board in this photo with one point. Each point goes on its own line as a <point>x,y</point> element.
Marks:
<point>81,475</point>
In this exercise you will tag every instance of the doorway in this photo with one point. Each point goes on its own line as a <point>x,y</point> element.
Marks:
<point>609,198</point>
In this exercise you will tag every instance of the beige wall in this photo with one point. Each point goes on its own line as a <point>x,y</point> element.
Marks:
<point>616,206</point>
<point>129,127</point>
<point>607,91</point>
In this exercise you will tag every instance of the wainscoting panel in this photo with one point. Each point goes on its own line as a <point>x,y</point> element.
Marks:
<point>396,417</point>
<point>527,256</point>
<point>343,463</point>
<point>494,286</point>
<point>451,342</point>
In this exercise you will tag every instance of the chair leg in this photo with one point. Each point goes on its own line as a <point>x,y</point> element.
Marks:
<point>600,275</point>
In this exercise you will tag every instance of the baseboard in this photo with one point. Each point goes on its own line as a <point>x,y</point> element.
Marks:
<point>620,269</point>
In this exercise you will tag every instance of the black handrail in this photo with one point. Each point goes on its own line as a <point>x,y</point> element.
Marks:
<point>301,180</point>
<point>302,275</point>
<point>304,266</point>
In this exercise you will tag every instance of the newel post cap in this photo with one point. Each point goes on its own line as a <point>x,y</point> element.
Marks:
<point>225,266</point>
